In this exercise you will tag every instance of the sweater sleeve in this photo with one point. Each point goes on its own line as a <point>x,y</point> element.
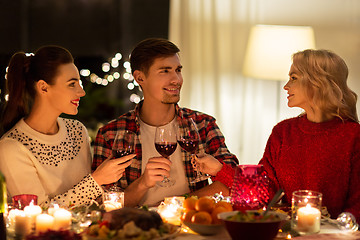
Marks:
<point>225,175</point>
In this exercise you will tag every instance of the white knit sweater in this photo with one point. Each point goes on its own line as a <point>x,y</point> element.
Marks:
<point>53,167</point>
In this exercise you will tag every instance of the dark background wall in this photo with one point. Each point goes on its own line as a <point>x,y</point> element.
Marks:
<point>93,31</point>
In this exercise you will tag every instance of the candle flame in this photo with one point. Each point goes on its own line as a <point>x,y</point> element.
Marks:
<point>288,236</point>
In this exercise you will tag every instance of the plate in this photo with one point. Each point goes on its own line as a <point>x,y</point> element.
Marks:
<point>205,229</point>
<point>175,231</point>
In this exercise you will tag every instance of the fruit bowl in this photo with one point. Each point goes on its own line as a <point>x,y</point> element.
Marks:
<point>253,229</point>
<point>205,229</point>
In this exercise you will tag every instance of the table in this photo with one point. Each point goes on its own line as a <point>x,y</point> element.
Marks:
<point>327,232</point>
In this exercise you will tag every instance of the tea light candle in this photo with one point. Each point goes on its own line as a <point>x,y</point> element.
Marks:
<point>22,224</point>
<point>44,222</point>
<point>170,210</point>
<point>53,209</point>
<point>62,219</point>
<point>308,219</point>
<point>113,200</point>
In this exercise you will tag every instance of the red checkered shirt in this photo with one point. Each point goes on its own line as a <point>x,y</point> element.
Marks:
<point>211,142</point>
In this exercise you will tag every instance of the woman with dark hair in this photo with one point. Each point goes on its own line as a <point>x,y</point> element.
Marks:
<point>320,149</point>
<point>42,153</point>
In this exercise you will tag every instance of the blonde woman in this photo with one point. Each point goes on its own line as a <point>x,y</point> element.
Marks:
<point>320,149</point>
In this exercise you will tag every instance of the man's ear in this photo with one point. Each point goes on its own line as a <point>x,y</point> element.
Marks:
<point>42,86</point>
<point>138,76</point>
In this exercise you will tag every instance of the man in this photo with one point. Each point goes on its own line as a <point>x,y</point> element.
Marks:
<point>156,67</point>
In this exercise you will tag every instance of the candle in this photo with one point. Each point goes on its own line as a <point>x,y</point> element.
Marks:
<point>44,222</point>
<point>22,224</point>
<point>12,214</point>
<point>53,209</point>
<point>62,219</point>
<point>308,219</point>
<point>32,211</point>
<point>113,200</point>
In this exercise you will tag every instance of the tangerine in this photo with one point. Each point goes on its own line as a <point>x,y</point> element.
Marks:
<point>186,217</point>
<point>215,212</point>
<point>189,203</point>
<point>201,217</point>
<point>206,204</point>
<point>224,204</point>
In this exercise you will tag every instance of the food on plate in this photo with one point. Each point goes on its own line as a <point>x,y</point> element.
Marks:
<point>142,218</point>
<point>253,216</point>
<point>204,210</point>
<point>131,223</point>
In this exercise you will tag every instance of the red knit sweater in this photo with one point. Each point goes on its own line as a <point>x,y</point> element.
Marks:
<point>324,157</point>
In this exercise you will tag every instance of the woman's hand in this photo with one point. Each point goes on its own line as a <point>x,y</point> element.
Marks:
<point>208,164</point>
<point>112,170</point>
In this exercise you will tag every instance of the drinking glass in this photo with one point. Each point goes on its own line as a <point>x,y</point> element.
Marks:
<point>306,211</point>
<point>124,144</point>
<point>188,138</point>
<point>165,144</point>
<point>250,188</point>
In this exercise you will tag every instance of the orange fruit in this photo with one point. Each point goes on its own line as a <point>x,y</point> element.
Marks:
<point>186,217</point>
<point>189,203</point>
<point>228,206</point>
<point>206,204</point>
<point>201,217</point>
<point>215,212</point>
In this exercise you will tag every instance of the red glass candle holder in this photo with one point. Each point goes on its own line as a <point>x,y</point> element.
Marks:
<point>250,188</point>
<point>23,200</point>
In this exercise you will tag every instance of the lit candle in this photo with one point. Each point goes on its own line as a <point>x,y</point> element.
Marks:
<point>308,219</point>
<point>32,211</point>
<point>62,219</point>
<point>170,210</point>
<point>12,214</point>
<point>44,222</point>
<point>113,200</point>
<point>53,209</point>
<point>22,224</point>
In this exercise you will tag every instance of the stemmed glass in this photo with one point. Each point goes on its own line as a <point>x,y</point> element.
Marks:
<point>123,145</point>
<point>188,138</point>
<point>165,144</point>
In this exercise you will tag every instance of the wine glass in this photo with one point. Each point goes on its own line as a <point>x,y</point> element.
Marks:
<point>165,144</point>
<point>188,138</point>
<point>123,145</point>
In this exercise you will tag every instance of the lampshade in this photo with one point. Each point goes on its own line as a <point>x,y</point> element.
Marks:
<point>270,47</point>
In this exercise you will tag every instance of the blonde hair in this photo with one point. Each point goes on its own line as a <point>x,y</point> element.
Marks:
<point>324,78</point>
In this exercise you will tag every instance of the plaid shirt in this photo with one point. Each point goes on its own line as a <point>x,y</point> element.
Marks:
<point>211,142</point>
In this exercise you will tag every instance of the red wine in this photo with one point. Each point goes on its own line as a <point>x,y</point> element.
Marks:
<point>166,149</point>
<point>121,153</point>
<point>189,145</point>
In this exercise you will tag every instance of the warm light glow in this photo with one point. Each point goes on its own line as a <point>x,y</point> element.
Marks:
<point>110,78</point>
<point>171,209</point>
<point>118,56</point>
<point>114,63</point>
<point>126,64</point>
<point>288,236</point>
<point>126,76</point>
<point>130,86</point>
<point>116,75</point>
<point>106,67</point>
<point>270,47</point>
<point>84,72</point>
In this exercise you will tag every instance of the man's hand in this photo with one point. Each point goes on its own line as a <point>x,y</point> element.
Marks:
<point>155,170</point>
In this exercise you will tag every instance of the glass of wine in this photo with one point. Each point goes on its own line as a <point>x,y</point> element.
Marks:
<point>124,144</point>
<point>188,138</point>
<point>165,144</point>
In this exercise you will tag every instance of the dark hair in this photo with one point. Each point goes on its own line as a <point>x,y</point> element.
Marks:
<point>23,72</point>
<point>144,54</point>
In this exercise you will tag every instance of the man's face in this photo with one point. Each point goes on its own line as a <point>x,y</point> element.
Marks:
<point>163,81</point>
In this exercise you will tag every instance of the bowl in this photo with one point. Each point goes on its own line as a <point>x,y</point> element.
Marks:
<point>245,230</point>
<point>205,229</point>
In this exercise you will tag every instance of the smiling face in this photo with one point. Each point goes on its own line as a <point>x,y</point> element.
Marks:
<point>296,93</point>
<point>65,94</point>
<point>163,81</point>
